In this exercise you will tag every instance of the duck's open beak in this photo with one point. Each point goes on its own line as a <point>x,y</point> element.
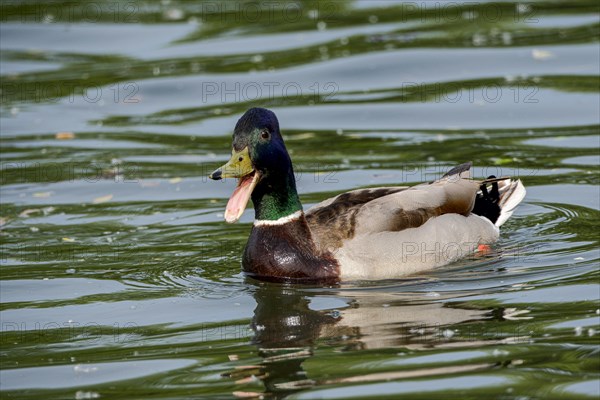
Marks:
<point>239,166</point>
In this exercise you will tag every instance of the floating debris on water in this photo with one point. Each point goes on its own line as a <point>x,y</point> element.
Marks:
<point>541,54</point>
<point>81,395</point>
<point>79,368</point>
<point>174,14</point>
<point>102,199</point>
<point>64,136</point>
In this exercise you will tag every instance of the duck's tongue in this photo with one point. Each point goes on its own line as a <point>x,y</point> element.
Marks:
<point>239,199</point>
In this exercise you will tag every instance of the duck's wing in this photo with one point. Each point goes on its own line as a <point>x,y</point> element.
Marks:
<point>368,211</point>
<point>413,207</point>
<point>334,219</point>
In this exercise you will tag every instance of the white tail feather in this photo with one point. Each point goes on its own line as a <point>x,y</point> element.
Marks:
<point>511,194</point>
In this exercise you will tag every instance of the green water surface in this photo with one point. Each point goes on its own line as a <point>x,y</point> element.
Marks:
<point>120,279</point>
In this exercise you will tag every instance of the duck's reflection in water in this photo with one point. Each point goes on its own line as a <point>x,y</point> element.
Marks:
<point>288,328</point>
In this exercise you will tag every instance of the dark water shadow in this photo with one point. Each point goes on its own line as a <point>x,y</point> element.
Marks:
<point>291,324</point>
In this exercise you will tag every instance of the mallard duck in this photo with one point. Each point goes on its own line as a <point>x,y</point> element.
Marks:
<point>364,234</point>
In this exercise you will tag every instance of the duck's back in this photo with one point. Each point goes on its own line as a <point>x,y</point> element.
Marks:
<point>390,232</point>
<point>389,209</point>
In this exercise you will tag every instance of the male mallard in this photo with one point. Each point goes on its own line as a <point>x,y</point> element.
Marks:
<point>364,234</point>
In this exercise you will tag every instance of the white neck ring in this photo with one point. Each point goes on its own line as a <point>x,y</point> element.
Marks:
<point>280,221</point>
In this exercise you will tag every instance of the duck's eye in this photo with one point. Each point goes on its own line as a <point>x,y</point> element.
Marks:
<point>264,134</point>
<point>241,159</point>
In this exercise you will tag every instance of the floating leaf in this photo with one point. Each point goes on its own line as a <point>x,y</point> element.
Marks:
<point>541,54</point>
<point>247,395</point>
<point>175,180</point>
<point>503,161</point>
<point>25,213</point>
<point>42,194</point>
<point>249,379</point>
<point>149,184</point>
<point>103,199</point>
<point>301,136</point>
<point>65,135</point>
<point>68,239</point>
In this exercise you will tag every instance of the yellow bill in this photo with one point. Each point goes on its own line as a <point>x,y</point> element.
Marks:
<point>239,166</point>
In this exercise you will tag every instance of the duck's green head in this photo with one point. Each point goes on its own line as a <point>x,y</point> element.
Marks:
<point>258,157</point>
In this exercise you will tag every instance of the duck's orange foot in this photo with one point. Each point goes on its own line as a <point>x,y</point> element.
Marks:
<point>484,249</point>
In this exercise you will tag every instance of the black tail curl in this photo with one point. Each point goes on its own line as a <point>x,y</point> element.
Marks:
<point>487,202</point>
